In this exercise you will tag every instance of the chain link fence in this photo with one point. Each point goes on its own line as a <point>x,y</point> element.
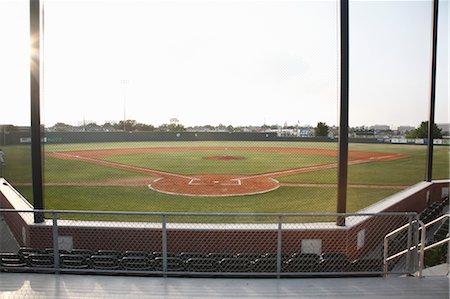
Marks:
<point>274,245</point>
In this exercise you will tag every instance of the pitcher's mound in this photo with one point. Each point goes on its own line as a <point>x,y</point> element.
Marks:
<point>213,185</point>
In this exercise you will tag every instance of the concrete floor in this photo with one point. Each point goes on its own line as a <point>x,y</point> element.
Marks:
<point>27,285</point>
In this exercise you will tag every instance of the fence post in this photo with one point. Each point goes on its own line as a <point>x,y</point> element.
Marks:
<point>279,246</point>
<point>55,241</point>
<point>164,244</point>
<point>385,256</point>
<point>448,250</point>
<point>416,243</point>
<point>422,247</point>
<point>408,245</point>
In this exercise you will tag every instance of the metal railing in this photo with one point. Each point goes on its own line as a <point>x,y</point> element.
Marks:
<point>423,229</point>
<point>199,244</point>
<point>418,250</point>
<point>409,248</point>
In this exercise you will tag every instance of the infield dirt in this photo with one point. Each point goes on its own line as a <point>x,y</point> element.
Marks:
<point>218,184</point>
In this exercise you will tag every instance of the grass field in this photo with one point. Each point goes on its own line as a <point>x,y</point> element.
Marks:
<point>289,198</point>
<point>252,162</point>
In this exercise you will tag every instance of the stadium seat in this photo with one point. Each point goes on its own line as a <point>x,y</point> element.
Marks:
<point>303,262</point>
<point>84,252</point>
<point>235,264</point>
<point>219,256</point>
<point>169,254</point>
<point>74,261</point>
<point>265,264</point>
<point>115,253</point>
<point>40,260</point>
<point>251,256</point>
<point>187,255</point>
<point>51,251</point>
<point>334,262</point>
<point>137,263</point>
<point>12,260</point>
<point>26,251</point>
<point>199,264</point>
<point>104,262</point>
<point>174,264</point>
<point>133,253</point>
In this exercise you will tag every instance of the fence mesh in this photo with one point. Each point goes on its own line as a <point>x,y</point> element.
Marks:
<point>161,244</point>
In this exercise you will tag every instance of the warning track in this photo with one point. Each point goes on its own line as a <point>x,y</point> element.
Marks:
<point>220,184</point>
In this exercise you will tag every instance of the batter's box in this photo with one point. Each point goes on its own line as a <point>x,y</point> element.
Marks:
<point>214,182</point>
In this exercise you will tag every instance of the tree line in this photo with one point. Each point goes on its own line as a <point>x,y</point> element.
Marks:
<point>320,130</point>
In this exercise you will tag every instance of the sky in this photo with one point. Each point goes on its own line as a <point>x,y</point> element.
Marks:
<point>223,62</point>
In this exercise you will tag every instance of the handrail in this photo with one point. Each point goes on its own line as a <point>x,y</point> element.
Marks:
<point>395,232</point>
<point>425,248</point>
<point>423,227</point>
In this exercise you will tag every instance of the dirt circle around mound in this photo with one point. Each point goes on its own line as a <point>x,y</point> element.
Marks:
<point>214,185</point>
<point>223,158</point>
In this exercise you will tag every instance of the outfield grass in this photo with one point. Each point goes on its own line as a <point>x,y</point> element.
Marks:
<point>406,171</point>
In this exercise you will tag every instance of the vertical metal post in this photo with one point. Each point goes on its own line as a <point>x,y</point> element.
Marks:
<point>416,243</point>
<point>385,256</point>
<point>422,247</point>
<point>343,122</point>
<point>408,245</point>
<point>448,254</point>
<point>55,241</point>
<point>36,154</point>
<point>432,91</point>
<point>279,245</point>
<point>164,244</point>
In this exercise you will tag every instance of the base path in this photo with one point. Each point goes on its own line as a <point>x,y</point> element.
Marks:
<point>219,184</point>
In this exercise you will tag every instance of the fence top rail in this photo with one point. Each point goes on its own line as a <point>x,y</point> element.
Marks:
<point>182,214</point>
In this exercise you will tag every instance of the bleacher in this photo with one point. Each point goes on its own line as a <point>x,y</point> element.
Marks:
<point>101,261</point>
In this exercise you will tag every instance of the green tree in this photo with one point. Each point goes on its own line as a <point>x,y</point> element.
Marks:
<point>62,127</point>
<point>144,127</point>
<point>128,126</point>
<point>321,130</point>
<point>171,128</point>
<point>422,131</point>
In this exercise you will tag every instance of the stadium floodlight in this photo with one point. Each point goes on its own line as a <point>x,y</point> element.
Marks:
<point>124,83</point>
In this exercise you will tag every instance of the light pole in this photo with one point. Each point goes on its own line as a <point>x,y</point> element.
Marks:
<point>124,83</point>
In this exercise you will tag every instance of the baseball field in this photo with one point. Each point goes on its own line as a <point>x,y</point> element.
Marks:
<point>222,177</point>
